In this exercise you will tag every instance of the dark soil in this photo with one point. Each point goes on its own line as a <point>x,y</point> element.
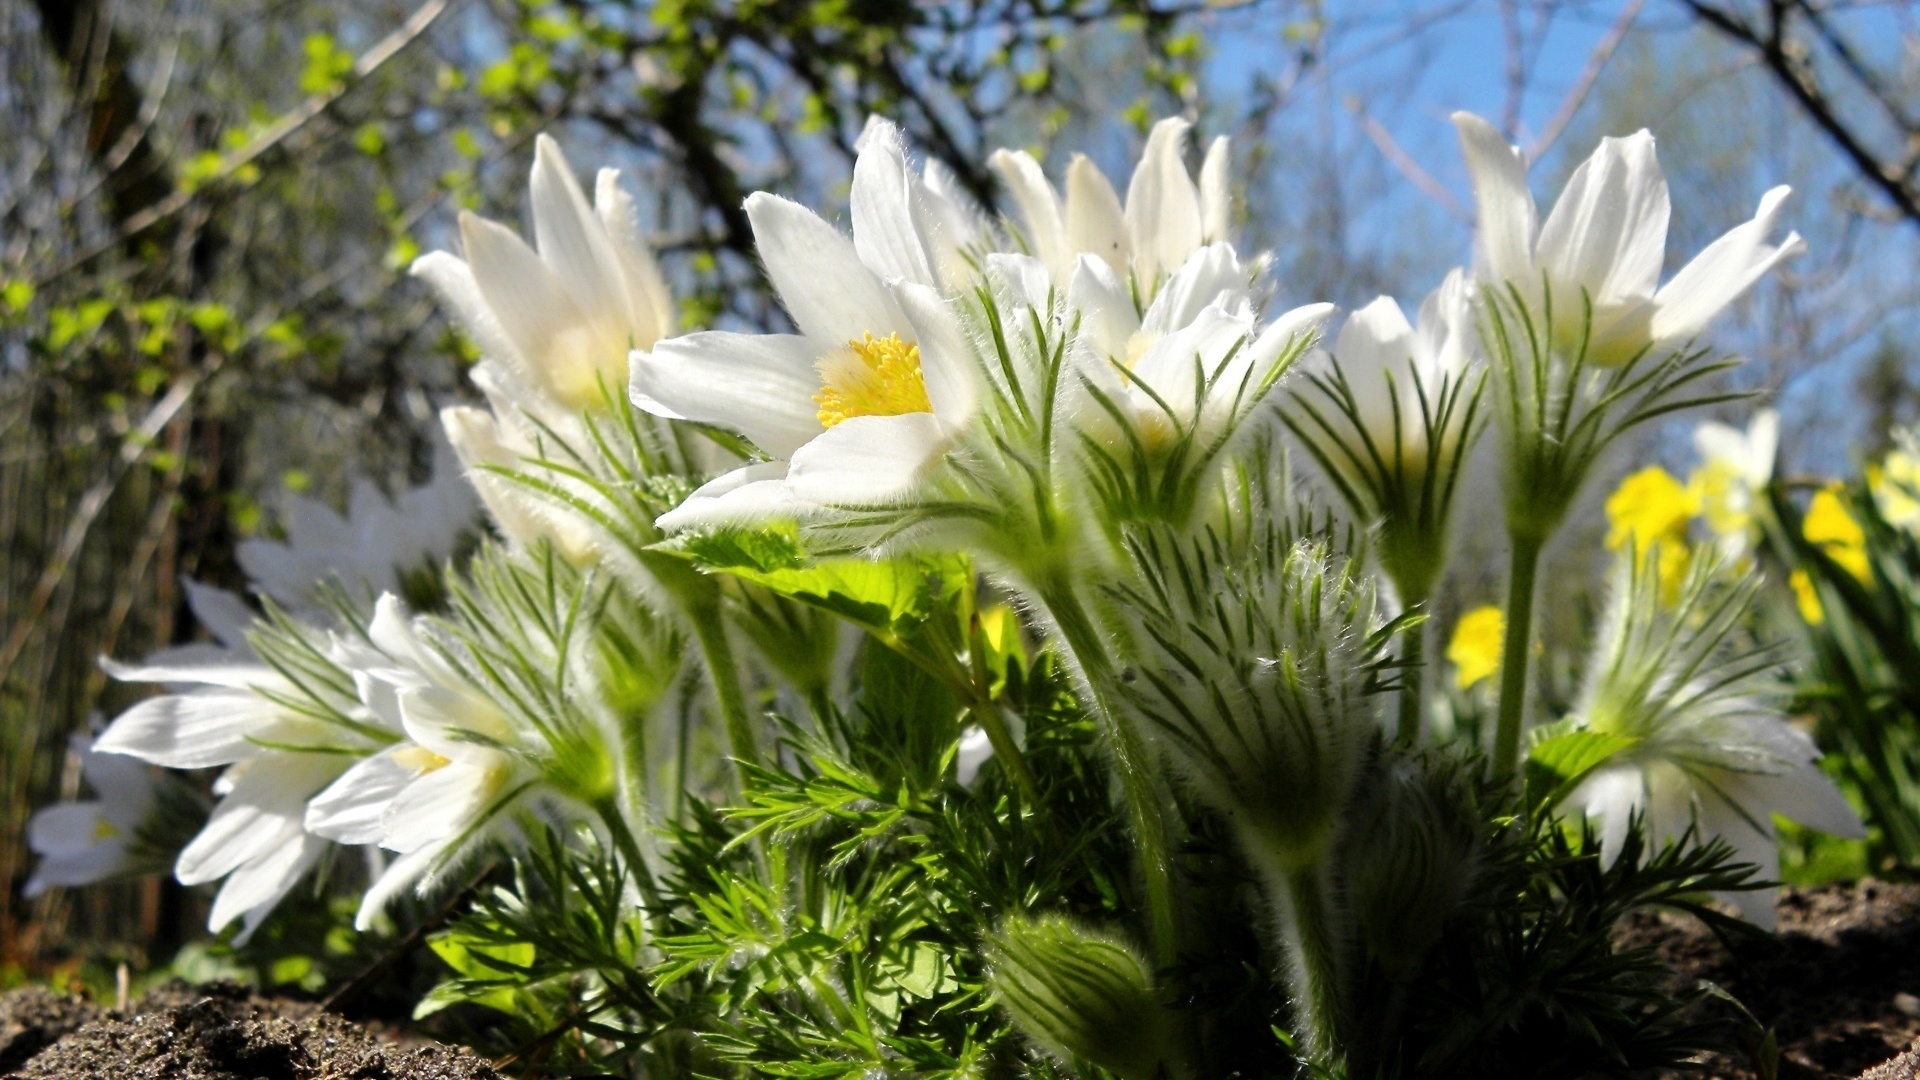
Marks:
<point>214,1032</point>
<point>32,1019</point>
<point>1840,985</point>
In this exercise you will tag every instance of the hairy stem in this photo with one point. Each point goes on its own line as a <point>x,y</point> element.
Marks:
<point>710,630</point>
<point>1515,653</point>
<point>1413,685</point>
<point>629,848</point>
<point>1144,806</point>
<point>1308,927</point>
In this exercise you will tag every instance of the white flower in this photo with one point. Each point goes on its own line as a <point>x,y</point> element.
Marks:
<point>1706,744</point>
<point>433,796</point>
<point>870,391</point>
<point>281,741</point>
<point>488,442</point>
<point>369,550</point>
<point>563,318</point>
<point>1390,364</point>
<point>1184,367</point>
<point>1607,238</point>
<point>98,839</point>
<point>1735,467</point>
<point>1166,217</point>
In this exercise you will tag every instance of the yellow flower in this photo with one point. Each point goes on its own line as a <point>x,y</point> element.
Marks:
<point>1475,648</point>
<point>1807,597</point>
<point>1722,496</point>
<point>1649,507</point>
<point>1895,484</point>
<point>1833,529</point>
<point>1676,558</point>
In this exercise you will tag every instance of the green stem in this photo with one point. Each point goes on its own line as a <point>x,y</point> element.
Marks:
<point>1305,914</point>
<point>1144,805</point>
<point>710,630</point>
<point>1413,685</point>
<point>1516,652</point>
<point>629,849</point>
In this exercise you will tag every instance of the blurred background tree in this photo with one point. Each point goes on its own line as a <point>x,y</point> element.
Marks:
<point>207,209</point>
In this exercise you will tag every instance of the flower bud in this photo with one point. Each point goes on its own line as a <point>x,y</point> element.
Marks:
<point>1415,850</point>
<point>1079,995</point>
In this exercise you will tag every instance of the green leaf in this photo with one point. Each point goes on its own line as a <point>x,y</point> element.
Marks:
<point>888,597</point>
<point>1561,755</point>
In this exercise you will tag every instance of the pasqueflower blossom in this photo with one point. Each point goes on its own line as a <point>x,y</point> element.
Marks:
<point>1894,482</point>
<point>563,315</point>
<point>854,407</point>
<point>1392,366</point>
<point>372,549</point>
<point>433,794</point>
<point>1707,745</point>
<point>280,741</point>
<point>1166,217</point>
<point>121,832</point>
<point>1179,369</point>
<point>1735,468</point>
<point>1604,244</point>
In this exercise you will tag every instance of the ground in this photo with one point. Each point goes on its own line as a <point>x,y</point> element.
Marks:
<point>1839,986</point>
<point>213,1032</point>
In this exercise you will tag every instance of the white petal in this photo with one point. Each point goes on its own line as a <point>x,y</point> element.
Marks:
<point>1108,320</point>
<point>1611,794</point>
<point>866,460</point>
<point>1096,223</point>
<point>101,862</point>
<point>1169,365</point>
<point>444,803</point>
<point>255,888</point>
<point>974,751</point>
<point>1507,219</point>
<point>1608,231</point>
<point>886,232</point>
<point>1719,275</point>
<point>1378,340</point>
<point>208,665</point>
<point>1443,330</point>
<point>1037,205</point>
<point>761,385</point>
<point>947,357</point>
<point>1021,278</point>
<point>191,731</point>
<point>1290,326</point>
<point>67,828</point>
<point>446,721</point>
<point>528,299</point>
<point>398,878</point>
<point>224,615</point>
<point>950,221</point>
<point>832,296</point>
<point>1216,200</point>
<point>1211,274</point>
<point>648,298</point>
<point>750,494</point>
<point>452,279</point>
<point>1163,209</point>
<point>350,810</point>
<point>574,242</point>
<point>1807,796</point>
<point>1763,446</point>
<point>262,813</point>
<point>125,787</point>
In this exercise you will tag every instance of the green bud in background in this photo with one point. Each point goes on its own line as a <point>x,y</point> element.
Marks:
<point>1414,848</point>
<point>1079,995</point>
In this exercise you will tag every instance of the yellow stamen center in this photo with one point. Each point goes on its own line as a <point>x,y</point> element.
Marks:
<point>871,377</point>
<point>104,830</point>
<point>418,758</point>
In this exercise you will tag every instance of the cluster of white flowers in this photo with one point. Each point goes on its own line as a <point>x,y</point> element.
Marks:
<point>1025,388</point>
